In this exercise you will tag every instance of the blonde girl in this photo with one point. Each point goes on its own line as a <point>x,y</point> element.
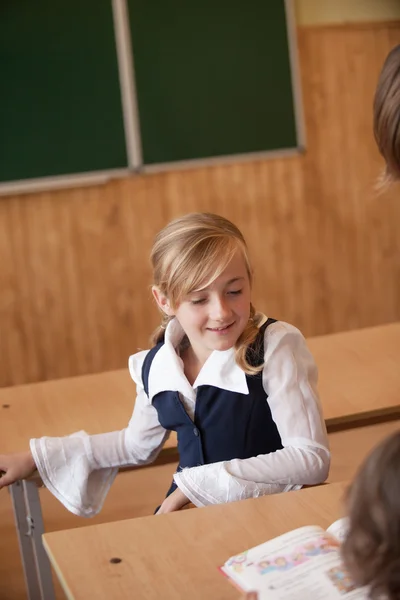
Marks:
<point>240,389</point>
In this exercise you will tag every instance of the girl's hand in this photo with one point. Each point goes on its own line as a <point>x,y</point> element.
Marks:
<point>175,501</point>
<point>15,466</point>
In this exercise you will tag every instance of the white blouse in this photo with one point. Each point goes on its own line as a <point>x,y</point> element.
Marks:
<point>79,469</point>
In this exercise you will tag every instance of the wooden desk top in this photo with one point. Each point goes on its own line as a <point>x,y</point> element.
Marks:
<point>359,375</point>
<point>95,403</point>
<point>178,555</point>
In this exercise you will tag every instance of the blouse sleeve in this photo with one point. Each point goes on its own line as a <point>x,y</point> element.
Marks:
<point>290,380</point>
<point>79,469</point>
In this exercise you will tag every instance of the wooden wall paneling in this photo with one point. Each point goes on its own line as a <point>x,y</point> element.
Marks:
<point>344,163</point>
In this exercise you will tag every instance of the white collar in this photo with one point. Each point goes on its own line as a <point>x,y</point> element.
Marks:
<point>220,369</point>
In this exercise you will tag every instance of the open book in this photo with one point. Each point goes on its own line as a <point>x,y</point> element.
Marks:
<point>300,565</point>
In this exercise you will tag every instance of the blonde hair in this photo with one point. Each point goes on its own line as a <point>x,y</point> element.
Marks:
<point>188,255</point>
<point>387,116</point>
<point>371,550</point>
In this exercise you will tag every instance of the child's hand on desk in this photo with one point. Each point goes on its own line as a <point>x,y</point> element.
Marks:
<point>175,501</point>
<point>15,466</point>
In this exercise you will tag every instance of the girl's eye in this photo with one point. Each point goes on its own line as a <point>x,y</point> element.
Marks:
<point>199,301</point>
<point>235,292</point>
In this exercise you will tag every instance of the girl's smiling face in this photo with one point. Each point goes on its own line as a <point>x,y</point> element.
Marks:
<point>214,317</point>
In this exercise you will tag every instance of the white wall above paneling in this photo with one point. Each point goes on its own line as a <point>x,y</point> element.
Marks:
<point>314,12</point>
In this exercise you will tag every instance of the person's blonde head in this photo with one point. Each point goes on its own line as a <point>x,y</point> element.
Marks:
<point>371,550</point>
<point>386,112</point>
<point>188,255</point>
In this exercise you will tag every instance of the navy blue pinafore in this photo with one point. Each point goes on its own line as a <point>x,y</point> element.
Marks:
<point>226,424</point>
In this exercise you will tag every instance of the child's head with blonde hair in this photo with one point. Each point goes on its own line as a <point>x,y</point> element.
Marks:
<point>371,550</point>
<point>188,256</point>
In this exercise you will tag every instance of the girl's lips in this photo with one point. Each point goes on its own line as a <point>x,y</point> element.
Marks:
<point>222,329</point>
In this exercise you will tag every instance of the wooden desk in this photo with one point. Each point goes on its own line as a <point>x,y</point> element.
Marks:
<point>95,403</point>
<point>177,555</point>
<point>350,447</point>
<point>359,384</point>
<point>359,375</point>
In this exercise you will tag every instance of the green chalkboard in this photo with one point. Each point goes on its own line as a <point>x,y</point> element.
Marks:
<point>213,78</point>
<point>60,102</point>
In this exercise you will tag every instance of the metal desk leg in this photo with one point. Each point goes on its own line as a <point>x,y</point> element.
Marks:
<point>29,525</point>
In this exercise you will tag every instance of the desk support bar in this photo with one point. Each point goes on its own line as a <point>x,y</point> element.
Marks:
<point>29,525</point>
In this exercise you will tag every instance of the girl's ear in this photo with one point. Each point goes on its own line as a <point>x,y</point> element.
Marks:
<point>162,301</point>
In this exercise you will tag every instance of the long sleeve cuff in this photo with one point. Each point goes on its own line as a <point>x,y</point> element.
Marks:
<point>204,486</point>
<point>66,467</point>
<point>229,481</point>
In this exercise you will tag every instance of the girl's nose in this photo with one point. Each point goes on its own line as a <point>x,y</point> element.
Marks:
<point>220,309</point>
